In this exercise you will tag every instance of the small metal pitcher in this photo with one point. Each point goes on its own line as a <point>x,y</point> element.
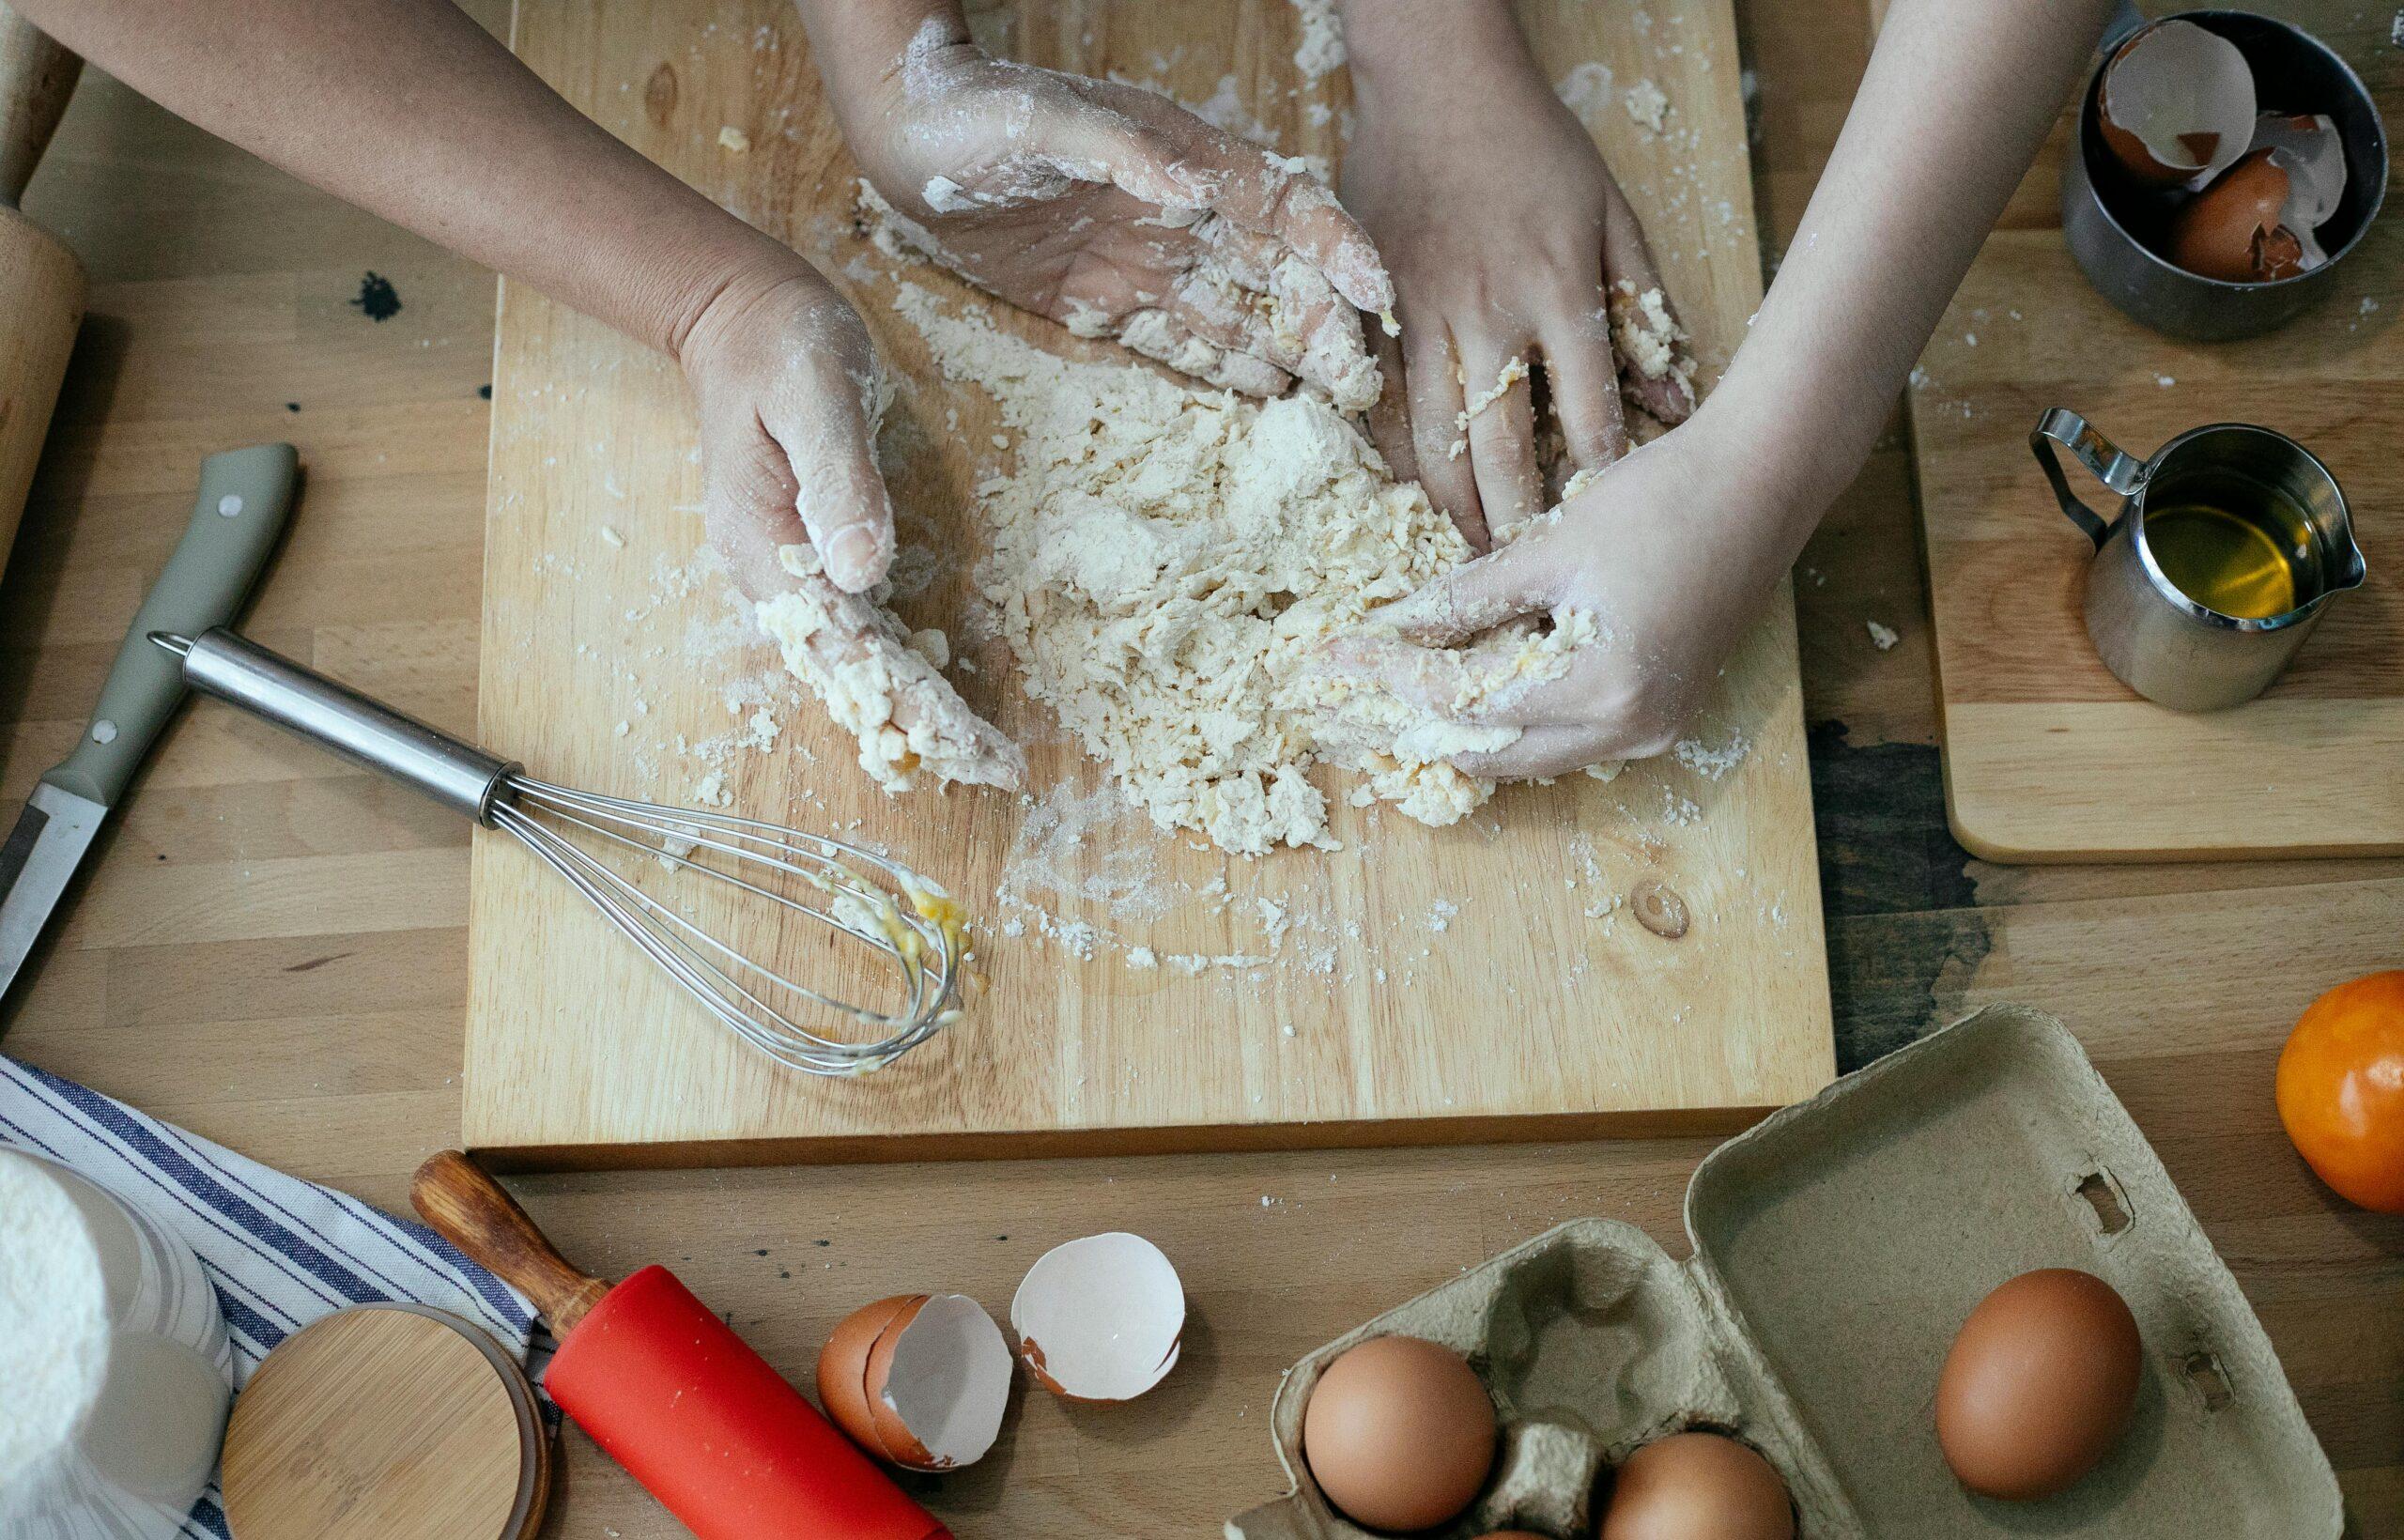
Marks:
<point>2161,643</point>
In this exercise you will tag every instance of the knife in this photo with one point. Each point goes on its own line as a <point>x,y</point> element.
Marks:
<point>245,496</point>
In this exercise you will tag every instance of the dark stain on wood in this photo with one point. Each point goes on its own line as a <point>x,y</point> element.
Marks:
<point>377,299</point>
<point>1904,932</point>
<point>1885,847</point>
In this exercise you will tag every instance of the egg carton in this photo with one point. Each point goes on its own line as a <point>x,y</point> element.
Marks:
<point>1838,1246</point>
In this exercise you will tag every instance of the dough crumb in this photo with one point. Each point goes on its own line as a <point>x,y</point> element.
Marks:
<point>1647,105</point>
<point>1883,637</point>
<point>734,140</point>
<point>1513,371</point>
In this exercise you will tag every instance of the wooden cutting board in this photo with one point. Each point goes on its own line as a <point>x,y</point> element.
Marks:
<point>2047,756</point>
<point>1483,980</point>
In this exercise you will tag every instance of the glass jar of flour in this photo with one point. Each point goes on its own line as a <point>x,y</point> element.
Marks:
<point>113,1354</point>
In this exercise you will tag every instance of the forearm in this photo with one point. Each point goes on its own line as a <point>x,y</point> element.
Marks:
<point>1408,52</point>
<point>1958,97</point>
<point>859,47</point>
<point>409,110</point>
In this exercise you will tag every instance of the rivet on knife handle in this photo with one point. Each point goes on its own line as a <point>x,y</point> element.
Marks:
<point>245,497</point>
<point>473,1213</point>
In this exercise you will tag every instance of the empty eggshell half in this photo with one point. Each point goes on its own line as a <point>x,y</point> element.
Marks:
<point>2177,105</point>
<point>1101,1319</point>
<point>933,1380</point>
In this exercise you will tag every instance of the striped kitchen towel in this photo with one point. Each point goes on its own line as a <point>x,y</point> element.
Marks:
<point>279,1252</point>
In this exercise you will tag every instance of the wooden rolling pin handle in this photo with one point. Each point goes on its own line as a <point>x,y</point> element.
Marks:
<point>36,76</point>
<point>471,1212</point>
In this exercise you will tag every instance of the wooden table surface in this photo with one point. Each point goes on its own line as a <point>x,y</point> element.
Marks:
<point>273,952</point>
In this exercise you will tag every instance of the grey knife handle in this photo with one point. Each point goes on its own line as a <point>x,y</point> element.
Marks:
<point>245,497</point>
<point>335,716</point>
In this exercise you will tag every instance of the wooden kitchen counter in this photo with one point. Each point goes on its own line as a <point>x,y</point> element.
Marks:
<point>273,952</point>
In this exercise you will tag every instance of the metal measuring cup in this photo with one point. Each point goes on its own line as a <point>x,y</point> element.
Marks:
<point>2161,643</point>
<point>2116,232</point>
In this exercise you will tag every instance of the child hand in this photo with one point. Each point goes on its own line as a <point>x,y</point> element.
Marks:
<point>1114,211</point>
<point>1671,552</point>
<point>1505,234</point>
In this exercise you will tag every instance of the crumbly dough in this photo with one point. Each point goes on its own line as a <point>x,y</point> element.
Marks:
<point>880,683</point>
<point>1169,565</point>
<point>1647,338</point>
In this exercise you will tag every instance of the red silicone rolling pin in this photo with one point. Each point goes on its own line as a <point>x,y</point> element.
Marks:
<point>673,1394</point>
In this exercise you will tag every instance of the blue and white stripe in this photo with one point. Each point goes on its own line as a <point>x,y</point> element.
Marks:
<point>279,1251</point>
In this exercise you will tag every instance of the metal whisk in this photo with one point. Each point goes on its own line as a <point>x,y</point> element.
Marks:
<point>868,896</point>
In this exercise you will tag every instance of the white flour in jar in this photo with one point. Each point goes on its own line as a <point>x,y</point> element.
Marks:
<point>54,1320</point>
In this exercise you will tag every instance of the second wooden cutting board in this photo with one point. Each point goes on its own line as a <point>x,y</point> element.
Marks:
<point>1490,979</point>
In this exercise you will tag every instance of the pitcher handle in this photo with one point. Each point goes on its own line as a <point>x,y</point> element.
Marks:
<point>2122,473</point>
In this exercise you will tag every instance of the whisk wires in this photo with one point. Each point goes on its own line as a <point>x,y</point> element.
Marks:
<point>912,923</point>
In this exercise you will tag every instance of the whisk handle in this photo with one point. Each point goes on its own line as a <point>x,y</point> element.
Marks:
<point>268,684</point>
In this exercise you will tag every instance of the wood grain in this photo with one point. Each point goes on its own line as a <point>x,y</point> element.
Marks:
<point>2048,756</point>
<point>470,1211</point>
<point>380,1423</point>
<point>1434,985</point>
<point>42,285</point>
<point>335,1054</point>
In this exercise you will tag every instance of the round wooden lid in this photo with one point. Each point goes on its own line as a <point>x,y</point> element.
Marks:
<point>386,1422</point>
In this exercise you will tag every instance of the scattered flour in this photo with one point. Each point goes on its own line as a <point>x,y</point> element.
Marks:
<point>1709,763</point>
<point>1586,90</point>
<point>1321,49</point>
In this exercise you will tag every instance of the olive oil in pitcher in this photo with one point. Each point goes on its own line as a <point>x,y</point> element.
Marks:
<point>2250,555</point>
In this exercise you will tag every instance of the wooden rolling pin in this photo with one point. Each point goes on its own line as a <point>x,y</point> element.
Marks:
<point>42,285</point>
<point>669,1391</point>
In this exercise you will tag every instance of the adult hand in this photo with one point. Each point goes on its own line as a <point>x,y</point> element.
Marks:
<point>789,393</point>
<point>1114,211</point>
<point>1511,246</point>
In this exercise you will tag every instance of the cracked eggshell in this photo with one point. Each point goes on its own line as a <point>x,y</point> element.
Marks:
<point>2236,230</point>
<point>843,1368</point>
<point>2306,147</point>
<point>918,1380</point>
<point>1101,1319</point>
<point>939,1380</point>
<point>2177,105</point>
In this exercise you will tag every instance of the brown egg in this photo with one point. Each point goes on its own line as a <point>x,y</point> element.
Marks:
<point>2039,1385</point>
<point>1697,1486</point>
<point>843,1368</point>
<point>2235,230</point>
<point>1399,1434</point>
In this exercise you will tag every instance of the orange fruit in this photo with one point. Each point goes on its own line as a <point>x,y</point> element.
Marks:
<point>2341,1089</point>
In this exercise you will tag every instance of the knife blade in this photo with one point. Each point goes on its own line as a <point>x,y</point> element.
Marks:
<point>245,497</point>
